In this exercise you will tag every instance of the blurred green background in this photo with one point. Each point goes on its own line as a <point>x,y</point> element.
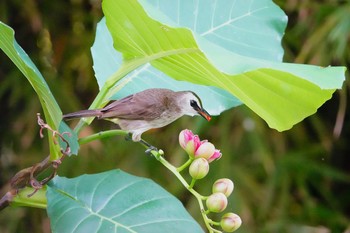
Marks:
<point>295,181</point>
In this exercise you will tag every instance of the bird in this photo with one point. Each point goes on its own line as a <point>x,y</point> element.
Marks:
<point>148,109</point>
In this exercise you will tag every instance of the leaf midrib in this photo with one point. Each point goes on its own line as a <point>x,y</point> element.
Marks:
<point>85,206</point>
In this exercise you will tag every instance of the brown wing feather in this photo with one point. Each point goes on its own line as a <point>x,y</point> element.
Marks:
<point>146,105</point>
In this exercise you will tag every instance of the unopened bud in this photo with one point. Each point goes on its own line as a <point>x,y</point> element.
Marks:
<point>216,202</point>
<point>230,222</point>
<point>224,186</point>
<point>199,168</point>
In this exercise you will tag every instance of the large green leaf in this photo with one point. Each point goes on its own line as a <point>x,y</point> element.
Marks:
<point>252,28</point>
<point>115,201</point>
<point>53,114</point>
<point>107,61</point>
<point>279,92</point>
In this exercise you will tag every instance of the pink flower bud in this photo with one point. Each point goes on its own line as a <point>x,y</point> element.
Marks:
<point>205,150</point>
<point>199,168</point>
<point>216,155</point>
<point>216,202</point>
<point>189,142</point>
<point>196,148</point>
<point>224,186</point>
<point>230,222</point>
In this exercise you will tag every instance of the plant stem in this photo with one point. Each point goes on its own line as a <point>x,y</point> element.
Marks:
<point>183,166</point>
<point>199,197</point>
<point>213,222</point>
<point>102,134</point>
<point>193,181</point>
<point>38,200</point>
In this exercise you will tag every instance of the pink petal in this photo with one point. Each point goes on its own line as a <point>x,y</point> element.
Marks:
<point>197,142</point>
<point>205,150</point>
<point>216,155</point>
<point>184,137</point>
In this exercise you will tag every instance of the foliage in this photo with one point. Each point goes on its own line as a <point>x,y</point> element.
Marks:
<point>111,207</point>
<point>262,160</point>
<point>260,84</point>
<point>27,67</point>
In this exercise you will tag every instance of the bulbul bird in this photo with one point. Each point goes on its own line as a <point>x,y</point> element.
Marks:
<point>148,109</point>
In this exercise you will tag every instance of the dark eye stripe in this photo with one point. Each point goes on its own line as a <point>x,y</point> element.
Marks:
<point>199,99</point>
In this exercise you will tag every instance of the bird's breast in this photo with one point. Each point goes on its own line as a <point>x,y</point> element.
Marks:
<point>166,118</point>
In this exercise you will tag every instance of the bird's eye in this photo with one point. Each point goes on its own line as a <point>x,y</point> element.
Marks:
<point>193,103</point>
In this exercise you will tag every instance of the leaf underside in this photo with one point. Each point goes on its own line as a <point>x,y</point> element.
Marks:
<point>278,92</point>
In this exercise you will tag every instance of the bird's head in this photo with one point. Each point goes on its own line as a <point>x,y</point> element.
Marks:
<point>191,105</point>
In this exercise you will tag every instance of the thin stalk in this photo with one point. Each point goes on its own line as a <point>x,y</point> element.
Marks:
<point>214,223</point>
<point>183,166</point>
<point>198,196</point>
<point>102,134</point>
<point>193,181</point>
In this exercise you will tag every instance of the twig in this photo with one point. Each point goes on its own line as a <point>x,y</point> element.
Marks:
<point>7,198</point>
<point>28,176</point>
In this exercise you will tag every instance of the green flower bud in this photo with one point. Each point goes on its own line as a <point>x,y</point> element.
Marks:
<point>216,202</point>
<point>199,168</point>
<point>224,186</point>
<point>230,222</point>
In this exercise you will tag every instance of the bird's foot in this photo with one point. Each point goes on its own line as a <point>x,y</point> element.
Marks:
<point>150,149</point>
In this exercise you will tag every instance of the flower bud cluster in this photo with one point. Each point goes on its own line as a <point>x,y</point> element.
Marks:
<point>202,153</point>
<point>217,202</point>
<point>196,148</point>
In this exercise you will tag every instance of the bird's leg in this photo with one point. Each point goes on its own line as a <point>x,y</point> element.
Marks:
<point>149,146</point>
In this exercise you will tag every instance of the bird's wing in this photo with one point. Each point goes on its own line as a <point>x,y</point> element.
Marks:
<point>135,107</point>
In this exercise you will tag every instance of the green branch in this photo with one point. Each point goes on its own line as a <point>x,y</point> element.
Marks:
<point>159,156</point>
<point>102,134</point>
<point>38,200</point>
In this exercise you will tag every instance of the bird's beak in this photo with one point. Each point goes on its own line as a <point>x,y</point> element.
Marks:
<point>204,114</point>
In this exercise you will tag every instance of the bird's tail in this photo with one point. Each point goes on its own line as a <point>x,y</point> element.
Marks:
<point>83,113</point>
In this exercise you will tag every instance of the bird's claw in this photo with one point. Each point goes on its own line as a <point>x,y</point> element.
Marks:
<point>150,149</point>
